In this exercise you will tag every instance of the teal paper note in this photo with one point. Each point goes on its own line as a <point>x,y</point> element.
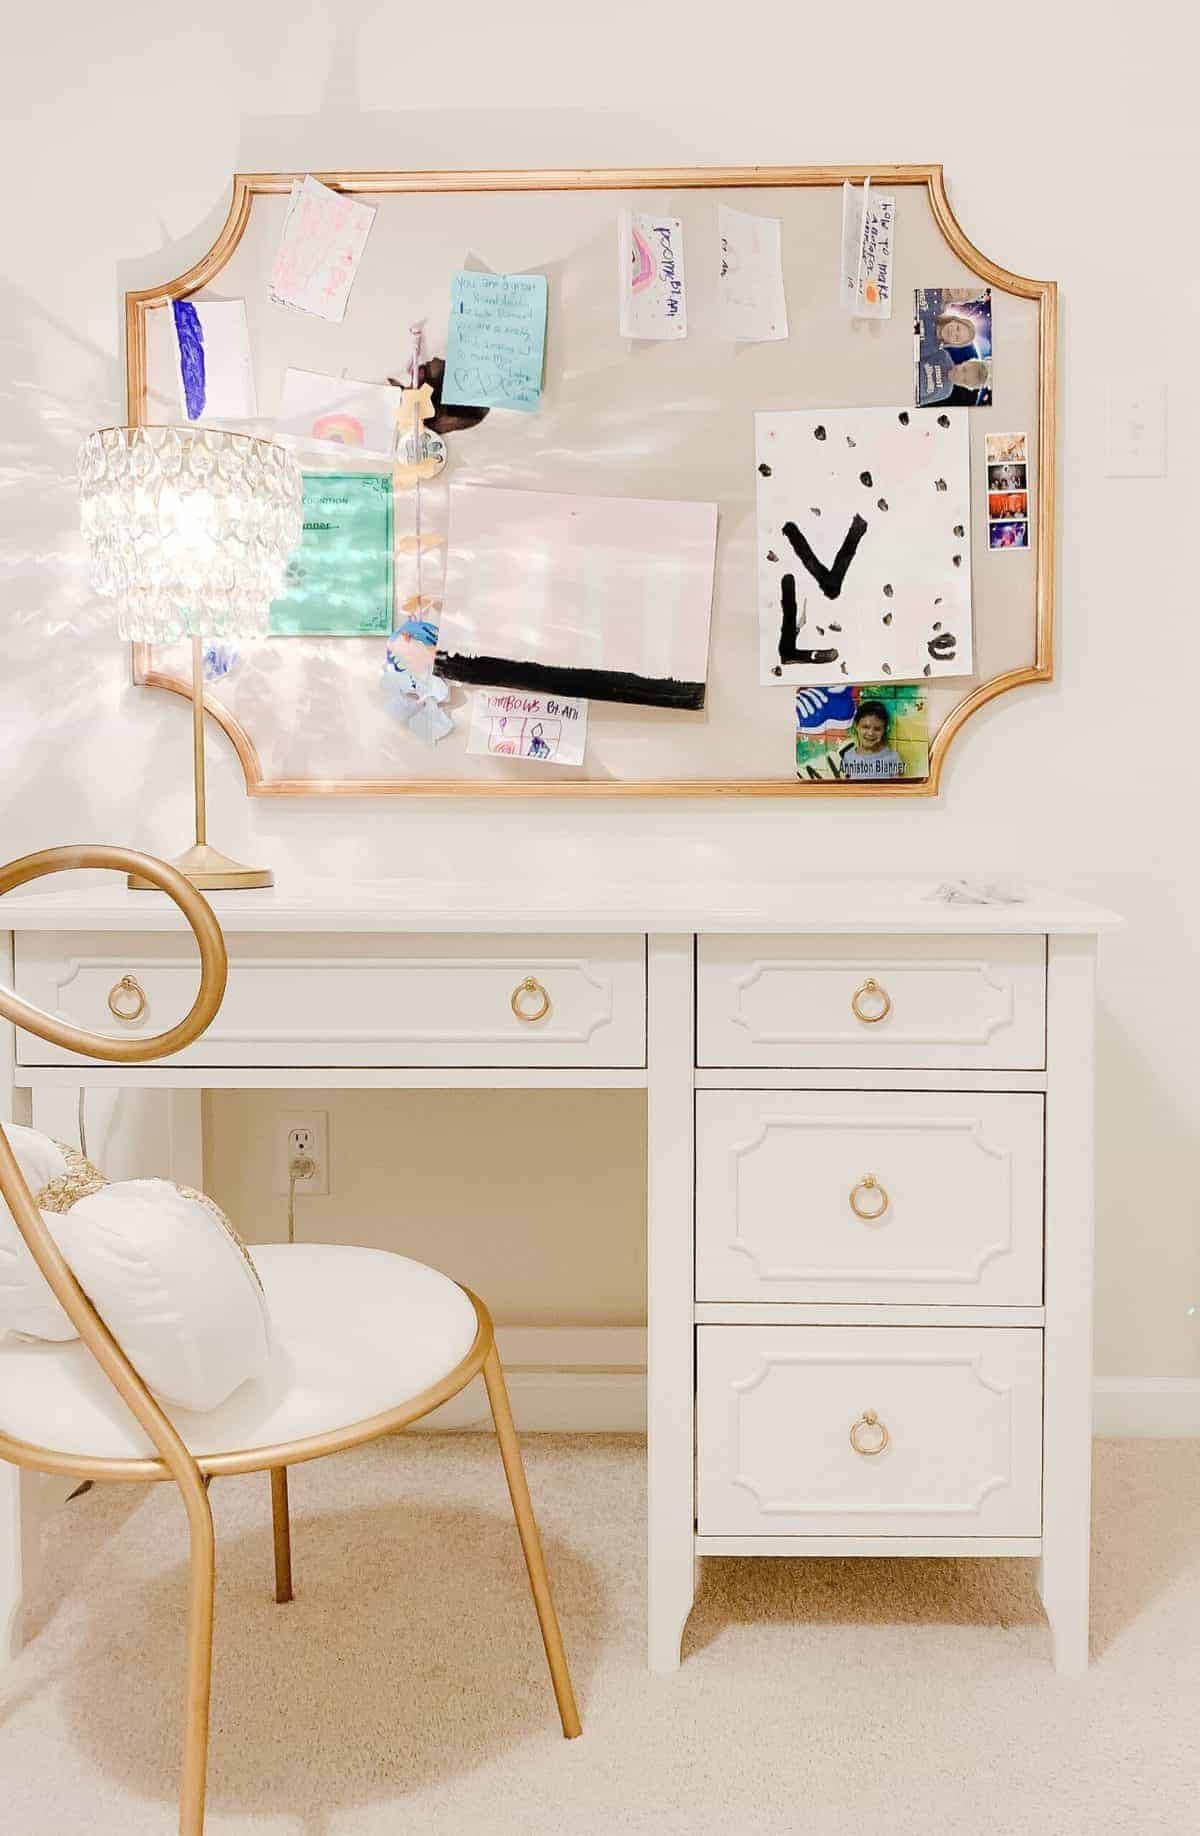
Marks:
<point>339,580</point>
<point>496,341</point>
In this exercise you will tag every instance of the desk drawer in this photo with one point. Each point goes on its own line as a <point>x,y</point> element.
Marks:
<point>872,1002</point>
<point>329,1000</point>
<point>961,1407</point>
<point>869,1196</point>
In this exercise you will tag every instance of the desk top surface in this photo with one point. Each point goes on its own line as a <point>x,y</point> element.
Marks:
<point>862,906</point>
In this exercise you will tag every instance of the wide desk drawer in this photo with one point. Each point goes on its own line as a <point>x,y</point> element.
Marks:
<point>371,1001</point>
<point>884,1002</point>
<point>869,1431</point>
<point>870,1196</point>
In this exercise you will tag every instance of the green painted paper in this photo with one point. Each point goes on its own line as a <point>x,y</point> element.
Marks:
<point>339,579</point>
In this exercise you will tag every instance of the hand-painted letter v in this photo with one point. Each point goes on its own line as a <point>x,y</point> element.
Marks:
<point>829,579</point>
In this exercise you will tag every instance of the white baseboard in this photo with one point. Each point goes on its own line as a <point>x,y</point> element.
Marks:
<point>562,1379</point>
<point>592,1380</point>
<point>1160,1408</point>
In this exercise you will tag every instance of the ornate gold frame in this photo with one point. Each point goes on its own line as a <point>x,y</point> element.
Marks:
<point>194,1472</point>
<point>248,185</point>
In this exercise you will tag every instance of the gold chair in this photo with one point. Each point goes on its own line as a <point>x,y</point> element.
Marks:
<point>196,1449</point>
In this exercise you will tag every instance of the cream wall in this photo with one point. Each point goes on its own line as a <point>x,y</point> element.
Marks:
<point>1068,146</point>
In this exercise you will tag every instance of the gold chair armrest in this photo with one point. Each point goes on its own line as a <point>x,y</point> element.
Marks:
<point>214,962</point>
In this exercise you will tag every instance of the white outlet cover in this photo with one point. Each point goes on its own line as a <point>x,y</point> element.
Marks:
<point>316,1121</point>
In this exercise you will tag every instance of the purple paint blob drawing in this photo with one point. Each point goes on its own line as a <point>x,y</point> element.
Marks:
<point>190,336</point>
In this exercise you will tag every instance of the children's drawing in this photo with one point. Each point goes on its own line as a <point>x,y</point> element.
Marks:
<point>324,234</point>
<point>336,412</point>
<point>607,597</point>
<point>509,724</point>
<point>212,353</point>
<point>953,331</point>
<point>651,288</point>
<point>864,545</point>
<point>750,299</point>
<point>876,733</point>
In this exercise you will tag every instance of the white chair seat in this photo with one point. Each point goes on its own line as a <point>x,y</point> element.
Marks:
<point>355,1332</point>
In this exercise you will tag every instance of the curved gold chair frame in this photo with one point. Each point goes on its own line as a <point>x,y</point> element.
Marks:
<point>192,1473</point>
<point>249,185</point>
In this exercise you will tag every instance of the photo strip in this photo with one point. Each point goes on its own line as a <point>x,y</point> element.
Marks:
<point>863,733</point>
<point>1007,489</point>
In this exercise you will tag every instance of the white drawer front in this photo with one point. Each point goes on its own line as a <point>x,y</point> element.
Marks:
<point>950,1184</point>
<point>923,1002</point>
<point>320,1000</point>
<point>961,1407</point>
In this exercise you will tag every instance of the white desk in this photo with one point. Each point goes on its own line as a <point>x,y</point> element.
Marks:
<point>870,1169</point>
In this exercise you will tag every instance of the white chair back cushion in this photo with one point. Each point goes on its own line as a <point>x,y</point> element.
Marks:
<point>174,1285</point>
<point>161,1264</point>
<point>26,1303</point>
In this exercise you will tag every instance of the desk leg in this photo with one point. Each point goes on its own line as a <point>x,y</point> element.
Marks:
<point>670,1333</point>
<point>1063,1572</point>
<point>20,1518</point>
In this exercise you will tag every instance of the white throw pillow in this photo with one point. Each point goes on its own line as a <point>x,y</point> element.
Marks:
<point>162,1265</point>
<point>175,1285</point>
<point>56,1176</point>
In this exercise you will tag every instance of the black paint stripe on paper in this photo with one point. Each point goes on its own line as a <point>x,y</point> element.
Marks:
<point>556,679</point>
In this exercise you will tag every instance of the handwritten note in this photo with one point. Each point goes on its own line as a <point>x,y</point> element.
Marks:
<point>509,724</point>
<point>496,341</point>
<point>651,286</point>
<point>866,276</point>
<point>750,296</point>
<point>212,354</point>
<point>324,234</point>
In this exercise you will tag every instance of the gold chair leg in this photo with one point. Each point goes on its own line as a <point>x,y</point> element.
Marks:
<point>282,1525</point>
<point>202,1577</point>
<point>531,1544</point>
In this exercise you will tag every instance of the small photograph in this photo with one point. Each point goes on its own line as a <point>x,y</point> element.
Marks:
<point>1007,503</point>
<point>1006,446</point>
<point>953,334</point>
<point>1010,477</point>
<point>1008,535</point>
<point>870,733</point>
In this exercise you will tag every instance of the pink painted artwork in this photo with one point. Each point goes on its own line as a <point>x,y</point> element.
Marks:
<point>324,234</point>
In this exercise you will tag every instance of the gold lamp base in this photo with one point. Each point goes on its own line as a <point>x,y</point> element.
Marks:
<point>207,868</point>
<point>211,871</point>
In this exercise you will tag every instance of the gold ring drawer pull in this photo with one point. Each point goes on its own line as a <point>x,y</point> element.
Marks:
<point>868,1435</point>
<point>523,993</point>
<point>877,1199</point>
<point>127,999</point>
<point>877,995</point>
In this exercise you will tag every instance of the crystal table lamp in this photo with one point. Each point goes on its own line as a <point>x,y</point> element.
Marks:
<point>190,529</point>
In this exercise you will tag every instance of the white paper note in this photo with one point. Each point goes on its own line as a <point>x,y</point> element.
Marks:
<point>750,296</point>
<point>331,412</point>
<point>212,359</point>
<point>324,234</point>
<point>650,276</point>
<point>865,285</point>
<point>511,724</point>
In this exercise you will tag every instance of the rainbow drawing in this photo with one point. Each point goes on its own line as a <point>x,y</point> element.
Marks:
<point>341,429</point>
<point>645,268</point>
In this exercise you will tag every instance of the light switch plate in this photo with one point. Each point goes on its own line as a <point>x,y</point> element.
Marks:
<point>1137,430</point>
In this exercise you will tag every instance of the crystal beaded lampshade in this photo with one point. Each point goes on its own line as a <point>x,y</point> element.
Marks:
<point>189,528</point>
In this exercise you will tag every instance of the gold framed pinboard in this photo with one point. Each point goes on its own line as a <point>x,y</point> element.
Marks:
<point>617,418</point>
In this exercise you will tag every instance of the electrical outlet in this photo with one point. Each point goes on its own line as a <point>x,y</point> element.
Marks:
<point>302,1134</point>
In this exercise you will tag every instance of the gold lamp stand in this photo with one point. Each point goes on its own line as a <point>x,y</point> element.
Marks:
<point>206,867</point>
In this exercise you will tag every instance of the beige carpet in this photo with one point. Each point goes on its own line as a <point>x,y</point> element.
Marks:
<point>404,1690</point>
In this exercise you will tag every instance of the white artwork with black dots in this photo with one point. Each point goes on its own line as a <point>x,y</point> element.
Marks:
<point>864,545</point>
